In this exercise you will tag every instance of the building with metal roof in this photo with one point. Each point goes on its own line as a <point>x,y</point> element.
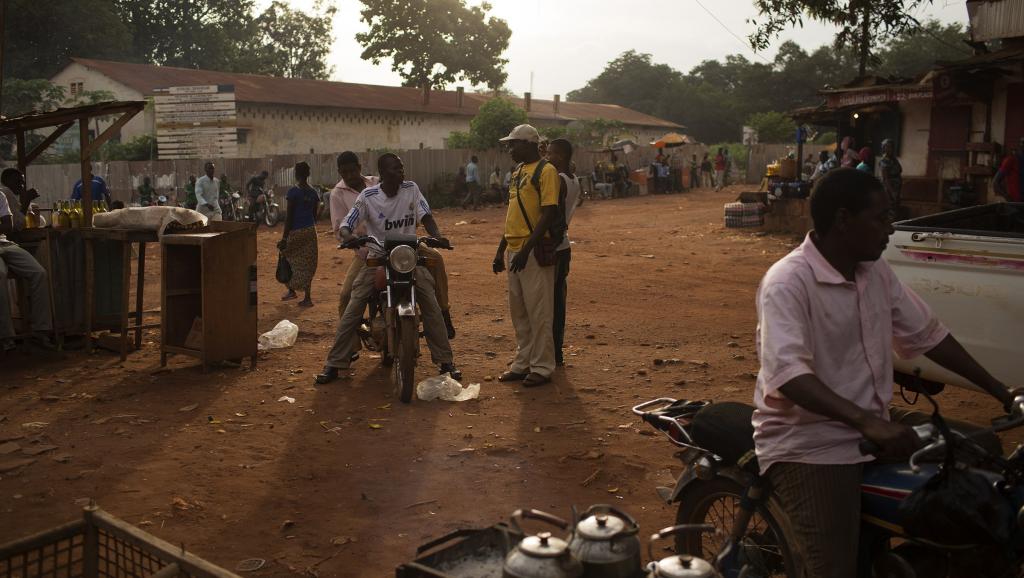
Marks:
<point>292,115</point>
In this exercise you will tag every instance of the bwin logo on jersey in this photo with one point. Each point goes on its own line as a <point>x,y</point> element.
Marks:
<point>408,221</point>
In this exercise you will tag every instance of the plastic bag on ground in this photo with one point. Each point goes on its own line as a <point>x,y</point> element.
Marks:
<point>446,388</point>
<point>283,334</point>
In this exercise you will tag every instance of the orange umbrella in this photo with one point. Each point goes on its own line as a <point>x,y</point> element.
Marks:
<point>672,139</point>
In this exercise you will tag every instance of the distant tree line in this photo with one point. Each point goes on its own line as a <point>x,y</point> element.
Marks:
<point>717,98</point>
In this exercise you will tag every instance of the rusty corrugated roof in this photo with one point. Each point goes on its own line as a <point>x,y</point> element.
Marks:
<point>146,78</point>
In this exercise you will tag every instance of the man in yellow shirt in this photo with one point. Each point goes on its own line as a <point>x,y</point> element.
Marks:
<point>532,211</point>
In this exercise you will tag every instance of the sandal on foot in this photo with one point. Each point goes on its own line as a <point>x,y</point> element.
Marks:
<point>535,379</point>
<point>511,376</point>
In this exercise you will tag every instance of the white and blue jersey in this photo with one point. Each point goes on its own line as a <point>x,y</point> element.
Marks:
<point>388,216</point>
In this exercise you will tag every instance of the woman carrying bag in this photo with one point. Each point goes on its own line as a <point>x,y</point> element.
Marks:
<point>299,240</point>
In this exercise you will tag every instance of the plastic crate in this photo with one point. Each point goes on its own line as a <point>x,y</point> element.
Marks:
<point>101,546</point>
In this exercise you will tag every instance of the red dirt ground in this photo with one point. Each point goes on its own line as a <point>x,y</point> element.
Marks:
<point>282,481</point>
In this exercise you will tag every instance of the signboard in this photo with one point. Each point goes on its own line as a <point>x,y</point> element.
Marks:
<point>879,95</point>
<point>749,135</point>
<point>196,122</point>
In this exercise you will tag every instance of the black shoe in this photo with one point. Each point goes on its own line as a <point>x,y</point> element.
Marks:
<point>448,323</point>
<point>354,357</point>
<point>328,375</point>
<point>450,369</point>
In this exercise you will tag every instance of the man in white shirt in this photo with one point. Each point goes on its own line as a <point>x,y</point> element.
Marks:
<point>395,206</point>
<point>21,264</point>
<point>472,184</point>
<point>208,194</point>
<point>560,155</point>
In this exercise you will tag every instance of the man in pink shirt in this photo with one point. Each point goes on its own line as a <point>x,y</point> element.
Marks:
<point>829,316</point>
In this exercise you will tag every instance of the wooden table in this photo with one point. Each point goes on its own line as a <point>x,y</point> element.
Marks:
<point>59,252</point>
<point>107,283</point>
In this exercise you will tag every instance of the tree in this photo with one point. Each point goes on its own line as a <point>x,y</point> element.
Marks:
<point>42,36</point>
<point>24,96</point>
<point>862,23</point>
<point>435,42</point>
<point>621,79</point>
<point>290,43</point>
<point>773,127</point>
<point>916,51</point>
<point>495,119</point>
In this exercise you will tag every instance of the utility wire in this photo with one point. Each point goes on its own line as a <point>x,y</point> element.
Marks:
<point>734,35</point>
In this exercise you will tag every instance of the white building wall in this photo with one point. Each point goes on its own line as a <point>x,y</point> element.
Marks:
<point>913,148</point>
<point>91,80</point>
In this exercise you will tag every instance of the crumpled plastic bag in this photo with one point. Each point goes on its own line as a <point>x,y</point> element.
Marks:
<point>283,334</point>
<point>446,388</point>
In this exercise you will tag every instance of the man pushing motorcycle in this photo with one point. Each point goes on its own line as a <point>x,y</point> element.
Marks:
<point>829,316</point>
<point>394,207</point>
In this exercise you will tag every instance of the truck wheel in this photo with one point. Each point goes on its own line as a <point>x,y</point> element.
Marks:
<point>717,502</point>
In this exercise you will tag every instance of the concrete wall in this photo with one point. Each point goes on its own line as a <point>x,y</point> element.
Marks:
<point>913,148</point>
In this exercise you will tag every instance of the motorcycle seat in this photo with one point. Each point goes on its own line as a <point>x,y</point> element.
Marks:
<point>725,429</point>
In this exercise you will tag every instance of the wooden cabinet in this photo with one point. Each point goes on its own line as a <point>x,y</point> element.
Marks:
<point>209,282</point>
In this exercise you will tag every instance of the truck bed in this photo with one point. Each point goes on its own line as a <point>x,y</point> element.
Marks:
<point>968,265</point>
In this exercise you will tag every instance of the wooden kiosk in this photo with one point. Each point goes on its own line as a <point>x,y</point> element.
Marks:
<point>208,293</point>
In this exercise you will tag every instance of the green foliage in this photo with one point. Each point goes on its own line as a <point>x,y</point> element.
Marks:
<point>140,148</point>
<point>441,191</point>
<point>862,24</point>
<point>916,52</point>
<point>716,97</point>
<point>494,120</point>
<point>292,43</point>
<point>41,36</point>
<point>596,132</point>
<point>825,138</point>
<point>436,42</point>
<point>773,127</point>
<point>553,132</point>
<point>37,94</point>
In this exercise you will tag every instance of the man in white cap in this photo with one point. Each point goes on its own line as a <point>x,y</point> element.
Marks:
<point>532,214</point>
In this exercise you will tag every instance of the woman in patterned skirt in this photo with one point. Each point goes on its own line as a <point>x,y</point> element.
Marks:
<point>299,240</point>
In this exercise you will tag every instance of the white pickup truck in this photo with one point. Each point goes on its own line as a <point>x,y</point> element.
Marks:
<point>968,265</point>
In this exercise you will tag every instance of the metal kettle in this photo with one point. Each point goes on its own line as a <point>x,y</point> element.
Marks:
<point>542,555</point>
<point>680,565</point>
<point>605,541</point>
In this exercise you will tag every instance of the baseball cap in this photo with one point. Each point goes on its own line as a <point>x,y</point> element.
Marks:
<point>523,132</point>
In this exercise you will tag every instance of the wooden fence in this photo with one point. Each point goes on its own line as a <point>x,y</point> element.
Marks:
<point>428,167</point>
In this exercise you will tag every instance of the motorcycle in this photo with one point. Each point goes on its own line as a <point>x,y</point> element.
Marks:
<point>264,209</point>
<point>323,210</point>
<point>722,486</point>
<point>231,206</point>
<point>394,304</point>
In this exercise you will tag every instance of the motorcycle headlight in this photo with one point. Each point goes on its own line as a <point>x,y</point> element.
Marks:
<point>403,258</point>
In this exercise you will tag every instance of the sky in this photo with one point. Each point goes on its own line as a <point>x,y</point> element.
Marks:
<point>590,33</point>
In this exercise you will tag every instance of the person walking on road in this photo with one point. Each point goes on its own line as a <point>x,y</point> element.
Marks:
<point>706,178</point>
<point>207,192</point>
<point>720,170</point>
<point>472,184</point>
<point>532,210</point>
<point>560,155</point>
<point>299,238</point>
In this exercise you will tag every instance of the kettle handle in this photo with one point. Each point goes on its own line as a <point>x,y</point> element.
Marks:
<point>538,515</point>
<point>634,526</point>
<point>676,530</point>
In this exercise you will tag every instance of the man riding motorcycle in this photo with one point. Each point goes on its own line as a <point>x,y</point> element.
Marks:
<point>829,316</point>
<point>394,206</point>
<point>253,189</point>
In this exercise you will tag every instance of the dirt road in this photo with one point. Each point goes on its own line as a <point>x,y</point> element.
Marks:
<point>346,481</point>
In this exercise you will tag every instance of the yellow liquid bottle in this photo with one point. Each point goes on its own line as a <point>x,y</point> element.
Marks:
<point>76,215</point>
<point>55,215</point>
<point>63,216</point>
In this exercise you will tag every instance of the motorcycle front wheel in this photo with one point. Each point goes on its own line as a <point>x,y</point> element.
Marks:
<point>405,358</point>
<point>717,502</point>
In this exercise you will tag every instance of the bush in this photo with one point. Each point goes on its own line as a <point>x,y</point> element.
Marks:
<point>440,192</point>
<point>773,127</point>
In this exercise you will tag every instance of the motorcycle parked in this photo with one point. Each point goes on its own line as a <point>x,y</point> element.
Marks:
<point>722,486</point>
<point>231,208</point>
<point>265,209</point>
<point>395,303</point>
